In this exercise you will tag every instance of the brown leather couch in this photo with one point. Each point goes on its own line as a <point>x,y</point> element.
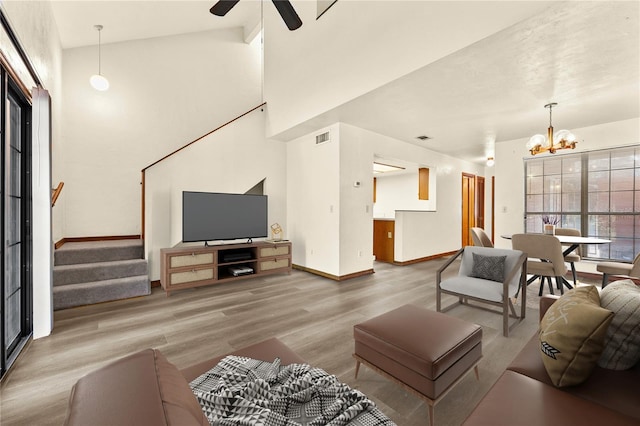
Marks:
<point>524,394</point>
<point>146,389</point>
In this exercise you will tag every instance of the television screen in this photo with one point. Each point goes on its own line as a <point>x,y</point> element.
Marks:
<point>208,216</point>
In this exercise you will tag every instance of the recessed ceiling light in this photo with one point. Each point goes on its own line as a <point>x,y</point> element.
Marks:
<point>423,137</point>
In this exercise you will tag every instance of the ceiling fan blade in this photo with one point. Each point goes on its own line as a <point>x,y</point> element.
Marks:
<point>222,7</point>
<point>288,13</point>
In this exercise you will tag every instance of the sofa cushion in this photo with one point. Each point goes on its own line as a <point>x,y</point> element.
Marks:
<point>571,336</point>
<point>622,342</point>
<point>488,267</point>
<point>266,350</point>
<point>519,400</point>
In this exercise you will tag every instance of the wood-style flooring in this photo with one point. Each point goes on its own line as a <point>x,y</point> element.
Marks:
<point>312,315</point>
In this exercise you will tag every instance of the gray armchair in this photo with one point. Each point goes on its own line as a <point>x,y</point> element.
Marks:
<point>487,275</point>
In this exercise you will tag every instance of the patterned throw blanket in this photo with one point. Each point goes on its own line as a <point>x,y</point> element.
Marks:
<point>244,391</point>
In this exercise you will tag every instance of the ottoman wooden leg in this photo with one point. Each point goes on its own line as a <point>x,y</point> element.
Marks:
<point>357,368</point>
<point>475,370</point>
<point>430,405</point>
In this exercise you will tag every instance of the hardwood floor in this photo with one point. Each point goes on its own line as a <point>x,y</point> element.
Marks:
<point>312,315</point>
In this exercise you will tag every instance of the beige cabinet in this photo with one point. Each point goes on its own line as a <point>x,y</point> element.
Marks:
<point>187,267</point>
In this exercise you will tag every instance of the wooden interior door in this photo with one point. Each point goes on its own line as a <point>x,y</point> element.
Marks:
<point>480,202</point>
<point>468,207</point>
<point>493,208</point>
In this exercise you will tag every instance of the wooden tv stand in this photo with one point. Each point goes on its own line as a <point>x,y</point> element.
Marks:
<point>193,266</point>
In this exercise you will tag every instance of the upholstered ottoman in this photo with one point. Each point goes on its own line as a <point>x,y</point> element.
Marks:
<point>426,352</point>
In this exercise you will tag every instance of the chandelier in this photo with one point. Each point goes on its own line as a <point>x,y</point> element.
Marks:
<point>564,139</point>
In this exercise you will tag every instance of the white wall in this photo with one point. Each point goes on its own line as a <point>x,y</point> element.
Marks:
<point>313,201</point>
<point>356,201</point>
<point>301,64</point>
<point>233,160</point>
<point>509,169</point>
<point>165,92</point>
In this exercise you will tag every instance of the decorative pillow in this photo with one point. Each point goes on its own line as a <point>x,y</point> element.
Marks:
<point>572,333</point>
<point>622,342</point>
<point>488,267</point>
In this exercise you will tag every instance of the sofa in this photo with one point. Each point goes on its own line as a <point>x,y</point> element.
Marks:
<point>146,389</point>
<point>525,395</point>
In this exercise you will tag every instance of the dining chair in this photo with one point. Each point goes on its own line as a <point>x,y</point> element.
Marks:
<point>619,268</point>
<point>574,256</point>
<point>488,275</point>
<point>545,258</point>
<point>480,238</point>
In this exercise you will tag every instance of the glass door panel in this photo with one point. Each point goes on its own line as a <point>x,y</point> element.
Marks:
<point>13,259</point>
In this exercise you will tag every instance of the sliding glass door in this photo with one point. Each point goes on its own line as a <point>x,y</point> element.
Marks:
<point>15,304</point>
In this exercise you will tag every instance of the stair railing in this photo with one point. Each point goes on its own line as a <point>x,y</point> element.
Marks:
<point>142,183</point>
<point>56,193</point>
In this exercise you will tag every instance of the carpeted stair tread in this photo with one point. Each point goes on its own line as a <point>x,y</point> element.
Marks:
<point>87,272</point>
<point>98,251</point>
<point>68,296</point>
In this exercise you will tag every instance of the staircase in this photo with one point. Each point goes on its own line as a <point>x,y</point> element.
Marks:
<point>85,273</point>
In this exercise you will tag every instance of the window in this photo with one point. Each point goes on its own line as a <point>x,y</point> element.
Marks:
<point>597,192</point>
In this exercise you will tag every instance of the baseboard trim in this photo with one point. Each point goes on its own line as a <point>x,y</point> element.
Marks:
<point>331,276</point>
<point>424,259</point>
<point>62,242</point>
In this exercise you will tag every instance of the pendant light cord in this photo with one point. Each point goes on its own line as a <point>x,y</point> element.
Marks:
<point>99,51</point>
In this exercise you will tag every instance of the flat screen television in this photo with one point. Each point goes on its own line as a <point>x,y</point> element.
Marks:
<point>208,216</point>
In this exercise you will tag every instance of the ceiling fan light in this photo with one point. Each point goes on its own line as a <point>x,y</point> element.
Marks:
<point>490,162</point>
<point>99,82</point>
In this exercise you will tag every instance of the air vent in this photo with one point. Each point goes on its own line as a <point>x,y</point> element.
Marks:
<point>323,137</point>
<point>423,137</point>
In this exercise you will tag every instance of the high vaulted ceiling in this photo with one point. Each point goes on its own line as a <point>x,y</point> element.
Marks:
<point>583,55</point>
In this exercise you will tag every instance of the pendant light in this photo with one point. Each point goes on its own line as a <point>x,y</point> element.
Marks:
<point>98,81</point>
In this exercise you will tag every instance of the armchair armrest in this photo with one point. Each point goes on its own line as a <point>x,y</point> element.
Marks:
<point>446,265</point>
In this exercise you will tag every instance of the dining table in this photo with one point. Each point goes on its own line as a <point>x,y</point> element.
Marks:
<point>573,242</point>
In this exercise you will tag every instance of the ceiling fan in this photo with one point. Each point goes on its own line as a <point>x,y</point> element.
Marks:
<point>286,10</point>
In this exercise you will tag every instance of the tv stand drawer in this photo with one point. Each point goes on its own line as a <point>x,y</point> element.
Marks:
<point>274,251</point>
<point>190,276</point>
<point>268,265</point>
<point>191,259</point>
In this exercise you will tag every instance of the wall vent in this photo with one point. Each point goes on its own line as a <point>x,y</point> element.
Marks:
<point>323,138</point>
